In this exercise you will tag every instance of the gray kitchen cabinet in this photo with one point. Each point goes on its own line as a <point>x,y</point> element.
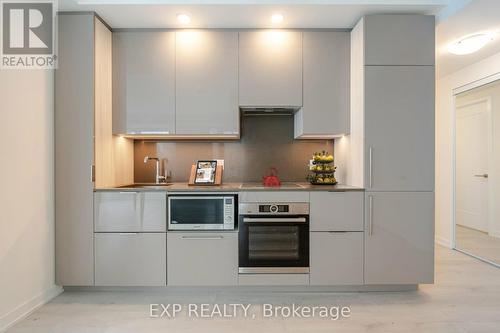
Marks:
<point>74,150</point>
<point>399,40</point>
<point>274,196</point>
<point>206,83</point>
<point>326,63</point>
<point>202,258</point>
<point>270,68</point>
<point>399,238</point>
<point>130,259</point>
<point>399,128</point>
<point>144,82</point>
<point>336,258</point>
<point>336,211</point>
<point>130,211</point>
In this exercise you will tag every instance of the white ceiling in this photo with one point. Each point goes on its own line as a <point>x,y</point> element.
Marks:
<point>456,18</point>
<point>247,13</point>
<point>477,16</point>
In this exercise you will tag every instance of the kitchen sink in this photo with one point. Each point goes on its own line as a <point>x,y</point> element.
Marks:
<point>146,185</point>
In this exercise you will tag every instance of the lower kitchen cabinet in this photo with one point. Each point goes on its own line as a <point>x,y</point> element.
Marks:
<point>202,258</point>
<point>336,211</point>
<point>399,238</point>
<point>130,211</point>
<point>336,258</point>
<point>130,259</point>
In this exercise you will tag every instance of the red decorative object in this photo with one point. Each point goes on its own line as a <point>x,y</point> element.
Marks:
<point>272,180</point>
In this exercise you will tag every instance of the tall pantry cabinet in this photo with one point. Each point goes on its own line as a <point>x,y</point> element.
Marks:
<point>87,155</point>
<point>392,144</point>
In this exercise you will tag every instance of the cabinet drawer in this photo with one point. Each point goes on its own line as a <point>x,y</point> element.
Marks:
<point>336,258</point>
<point>130,259</point>
<point>336,211</point>
<point>202,259</point>
<point>274,196</point>
<point>130,211</point>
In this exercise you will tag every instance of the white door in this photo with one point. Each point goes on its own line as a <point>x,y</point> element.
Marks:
<point>472,146</point>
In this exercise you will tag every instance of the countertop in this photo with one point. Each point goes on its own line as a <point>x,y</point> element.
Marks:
<point>231,187</point>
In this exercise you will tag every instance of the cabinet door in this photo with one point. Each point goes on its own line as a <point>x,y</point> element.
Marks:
<point>74,150</point>
<point>399,238</point>
<point>325,110</point>
<point>207,83</point>
<point>336,258</point>
<point>130,259</point>
<point>202,259</point>
<point>153,215</point>
<point>144,83</point>
<point>336,211</point>
<point>399,39</point>
<point>270,68</point>
<point>130,211</point>
<point>399,128</point>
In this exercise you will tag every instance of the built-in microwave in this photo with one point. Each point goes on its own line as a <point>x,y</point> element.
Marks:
<point>202,212</point>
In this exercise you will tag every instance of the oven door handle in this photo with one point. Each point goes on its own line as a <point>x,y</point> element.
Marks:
<point>274,219</point>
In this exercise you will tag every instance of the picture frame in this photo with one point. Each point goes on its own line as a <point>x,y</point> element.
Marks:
<point>205,172</point>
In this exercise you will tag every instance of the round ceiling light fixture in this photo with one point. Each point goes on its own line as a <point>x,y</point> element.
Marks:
<point>183,18</point>
<point>277,18</point>
<point>471,43</point>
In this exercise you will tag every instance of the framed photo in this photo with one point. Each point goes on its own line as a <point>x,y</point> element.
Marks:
<point>205,172</point>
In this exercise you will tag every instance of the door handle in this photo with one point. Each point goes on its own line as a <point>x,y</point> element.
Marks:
<point>484,175</point>
<point>370,215</point>
<point>370,166</point>
<point>274,219</point>
<point>203,237</point>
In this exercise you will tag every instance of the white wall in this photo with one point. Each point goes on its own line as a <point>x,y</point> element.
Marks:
<point>26,192</point>
<point>444,139</point>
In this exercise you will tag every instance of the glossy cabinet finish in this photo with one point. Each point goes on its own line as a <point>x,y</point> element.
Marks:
<point>144,82</point>
<point>130,211</point>
<point>336,211</point>
<point>270,68</point>
<point>202,258</point>
<point>399,128</point>
<point>336,258</point>
<point>206,83</point>
<point>74,125</point>
<point>399,238</point>
<point>274,196</point>
<point>130,259</point>
<point>399,40</point>
<point>326,62</point>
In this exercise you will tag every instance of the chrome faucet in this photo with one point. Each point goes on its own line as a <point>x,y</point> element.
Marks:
<point>158,178</point>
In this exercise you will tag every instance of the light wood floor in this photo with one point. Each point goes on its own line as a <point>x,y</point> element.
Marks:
<point>478,243</point>
<point>465,298</point>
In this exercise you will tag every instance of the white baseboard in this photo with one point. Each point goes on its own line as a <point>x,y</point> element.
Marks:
<point>26,308</point>
<point>494,234</point>
<point>443,242</point>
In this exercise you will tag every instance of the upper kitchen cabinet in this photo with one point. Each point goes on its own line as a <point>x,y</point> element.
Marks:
<point>326,62</point>
<point>144,83</point>
<point>399,40</point>
<point>270,68</point>
<point>399,128</point>
<point>206,83</point>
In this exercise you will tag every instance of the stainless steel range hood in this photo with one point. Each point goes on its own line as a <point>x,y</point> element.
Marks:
<point>269,111</point>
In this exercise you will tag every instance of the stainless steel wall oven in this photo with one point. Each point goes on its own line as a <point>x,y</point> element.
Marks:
<point>274,238</point>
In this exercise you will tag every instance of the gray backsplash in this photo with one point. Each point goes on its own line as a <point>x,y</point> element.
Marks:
<point>266,141</point>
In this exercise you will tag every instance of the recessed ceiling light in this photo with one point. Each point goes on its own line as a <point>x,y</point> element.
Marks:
<point>471,44</point>
<point>277,18</point>
<point>183,18</point>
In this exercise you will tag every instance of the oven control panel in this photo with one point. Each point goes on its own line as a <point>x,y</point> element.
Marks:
<point>277,208</point>
<point>228,212</point>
